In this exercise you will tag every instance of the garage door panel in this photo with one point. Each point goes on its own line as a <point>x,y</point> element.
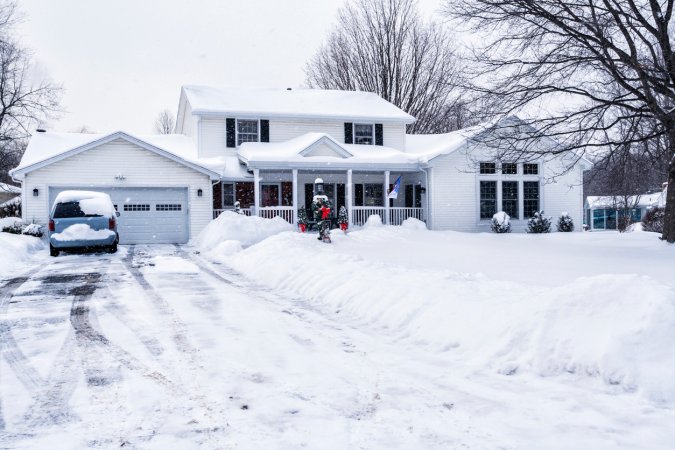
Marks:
<point>147,215</point>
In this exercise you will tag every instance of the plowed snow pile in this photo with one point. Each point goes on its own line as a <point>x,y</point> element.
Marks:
<point>597,305</point>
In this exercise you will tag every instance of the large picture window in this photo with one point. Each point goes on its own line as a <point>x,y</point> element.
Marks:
<point>270,195</point>
<point>364,134</point>
<point>530,198</point>
<point>510,198</point>
<point>247,131</point>
<point>530,169</point>
<point>488,199</point>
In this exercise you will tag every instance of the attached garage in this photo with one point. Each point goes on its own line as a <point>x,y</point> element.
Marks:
<point>148,215</point>
<point>162,196</point>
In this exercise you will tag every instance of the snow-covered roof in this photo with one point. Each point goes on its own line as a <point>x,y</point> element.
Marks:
<point>47,147</point>
<point>609,201</point>
<point>320,149</point>
<point>4,187</point>
<point>301,103</point>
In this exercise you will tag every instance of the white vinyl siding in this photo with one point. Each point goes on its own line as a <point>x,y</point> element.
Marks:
<point>213,138</point>
<point>99,167</point>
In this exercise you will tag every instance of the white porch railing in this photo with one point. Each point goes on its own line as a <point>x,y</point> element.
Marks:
<point>398,215</point>
<point>217,212</point>
<point>361,213</point>
<point>285,212</point>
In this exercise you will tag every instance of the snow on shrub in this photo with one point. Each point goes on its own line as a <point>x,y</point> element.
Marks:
<point>414,224</point>
<point>14,225</point>
<point>653,220</point>
<point>565,223</point>
<point>231,231</point>
<point>539,223</point>
<point>373,221</point>
<point>501,223</point>
<point>32,229</point>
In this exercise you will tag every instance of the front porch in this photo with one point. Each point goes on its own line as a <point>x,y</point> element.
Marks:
<point>282,193</point>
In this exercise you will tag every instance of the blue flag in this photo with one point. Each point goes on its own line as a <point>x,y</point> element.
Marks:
<point>397,186</point>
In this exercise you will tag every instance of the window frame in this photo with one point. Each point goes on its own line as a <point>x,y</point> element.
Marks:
<point>516,215</point>
<point>222,194</point>
<point>487,163</point>
<point>526,199</point>
<point>366,197</point>
<point>279,196</point>
<point>526,173</point>
<point>481,199</point>
<point>372,133</point>
<point>515,165</point>
<point>237,133</point>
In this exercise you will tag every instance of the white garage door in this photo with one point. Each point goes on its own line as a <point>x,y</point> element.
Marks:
<point>147,215</point>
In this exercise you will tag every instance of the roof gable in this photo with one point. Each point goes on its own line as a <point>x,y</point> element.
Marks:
<point>96,141</point>
<point>325,146</point>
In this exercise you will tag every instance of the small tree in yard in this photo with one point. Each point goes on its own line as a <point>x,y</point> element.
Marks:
<point>653,220</point>
<point>539,223</point>
<point>565,223</point>
<point>501,223</point>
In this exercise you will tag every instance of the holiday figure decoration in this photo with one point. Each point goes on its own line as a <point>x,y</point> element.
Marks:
<point>343,221</point>
<point>302,220</point>
<point>321,209</point>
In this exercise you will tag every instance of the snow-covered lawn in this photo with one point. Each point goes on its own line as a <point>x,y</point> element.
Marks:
<point>18,252</point>
<point>389,338</point>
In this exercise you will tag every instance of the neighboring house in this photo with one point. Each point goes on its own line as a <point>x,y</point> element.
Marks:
<point>8,192</point>
<point>264,148</point>
<point>603,212</point>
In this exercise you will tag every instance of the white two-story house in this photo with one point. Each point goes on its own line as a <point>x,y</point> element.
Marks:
<point>264,148</point>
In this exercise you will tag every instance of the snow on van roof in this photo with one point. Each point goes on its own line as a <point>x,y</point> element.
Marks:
<point>90,202</point>
<point>306,103</point>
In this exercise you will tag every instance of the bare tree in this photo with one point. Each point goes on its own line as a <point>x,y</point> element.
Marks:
<point>383,46</point>
<point>165,123</point>
<point>24,102</point>
<point>596,75</point>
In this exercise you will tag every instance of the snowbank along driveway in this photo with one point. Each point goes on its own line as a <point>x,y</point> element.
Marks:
<point>154,347</point>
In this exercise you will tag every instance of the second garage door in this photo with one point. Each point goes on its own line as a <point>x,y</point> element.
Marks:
<point>147,215</point>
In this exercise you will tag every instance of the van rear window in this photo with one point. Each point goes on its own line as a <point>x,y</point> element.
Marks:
<point>70,209</point>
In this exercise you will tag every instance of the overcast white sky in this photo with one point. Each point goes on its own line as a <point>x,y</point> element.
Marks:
<point>123,61</point>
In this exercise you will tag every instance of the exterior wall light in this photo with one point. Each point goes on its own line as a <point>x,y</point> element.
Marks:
<point>199,192</point>
<point>36,192</point>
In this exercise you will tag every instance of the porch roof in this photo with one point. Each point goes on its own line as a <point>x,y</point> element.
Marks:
<point>320,150</point>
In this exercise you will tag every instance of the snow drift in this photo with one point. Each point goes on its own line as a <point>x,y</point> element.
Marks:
<point>617,328</point>
<point>17,251</point>
<point>230,232</point>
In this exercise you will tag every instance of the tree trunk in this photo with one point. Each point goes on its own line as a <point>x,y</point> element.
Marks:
<point>669,219</point>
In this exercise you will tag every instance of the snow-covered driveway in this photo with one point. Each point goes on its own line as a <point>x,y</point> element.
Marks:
<point>155,348</point>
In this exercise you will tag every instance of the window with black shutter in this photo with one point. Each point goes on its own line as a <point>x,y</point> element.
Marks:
<point>264,131</point>
<point>349,133</point>
<point>379,138</point>
<point>230,128</point>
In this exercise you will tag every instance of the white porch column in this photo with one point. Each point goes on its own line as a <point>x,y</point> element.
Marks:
<point>295,196</point>
<point>256,191</point>
<point>386,194</point>
<point>349,200</point>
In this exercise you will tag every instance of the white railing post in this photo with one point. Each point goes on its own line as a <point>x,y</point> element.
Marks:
<point>256,191</point>
<point>350,201</point>
<point>295,196</point>
<point>386,195</point>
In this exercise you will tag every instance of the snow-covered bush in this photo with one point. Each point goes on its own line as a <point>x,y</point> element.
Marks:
<point>11,208</point>
<point>302,216</point>
<point>32,229</point>
<point>15,228</point>
<point>539,223</point>
<point>501,223</point>
<point>653,220</point>
<point>565,223</point>
<point>623,222</point>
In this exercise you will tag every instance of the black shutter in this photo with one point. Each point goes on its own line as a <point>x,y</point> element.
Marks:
<point>349,133</point>
<point>378,134</point>
<point>264,131</point>
<point>229,128</point>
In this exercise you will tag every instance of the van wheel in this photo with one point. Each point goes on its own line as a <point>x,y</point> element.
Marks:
<point>113,248</point>
<point>53,251</point>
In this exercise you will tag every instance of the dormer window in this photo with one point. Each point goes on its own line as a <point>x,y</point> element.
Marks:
<point>364,133</point>
<point>247,131</point>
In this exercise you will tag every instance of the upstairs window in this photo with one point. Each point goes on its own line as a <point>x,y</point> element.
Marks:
<point>530,169</point>
<point>509,168</point>
<point>364,134</point>
<point>488,168</point>
<point>247,131</point>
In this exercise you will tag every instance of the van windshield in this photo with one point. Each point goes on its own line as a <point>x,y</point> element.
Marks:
<point>70,209</point>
